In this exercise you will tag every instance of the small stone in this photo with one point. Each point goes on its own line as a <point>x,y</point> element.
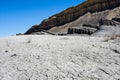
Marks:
<point>13,55</point>
<point>6,51</point>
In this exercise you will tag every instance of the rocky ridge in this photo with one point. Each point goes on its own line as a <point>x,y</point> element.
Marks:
<point>73,13</point>
<point>91,20</point>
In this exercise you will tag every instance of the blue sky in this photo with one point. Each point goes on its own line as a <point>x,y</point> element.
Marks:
<point>17,16</point>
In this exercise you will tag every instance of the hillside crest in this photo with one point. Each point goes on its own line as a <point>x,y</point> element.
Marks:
<point>74,13</point>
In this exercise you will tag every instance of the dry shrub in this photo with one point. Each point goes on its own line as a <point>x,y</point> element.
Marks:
<point>112,37</point>
<point>29,40</point>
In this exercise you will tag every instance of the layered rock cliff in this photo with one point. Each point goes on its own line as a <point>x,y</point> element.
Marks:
<point>73,13</point>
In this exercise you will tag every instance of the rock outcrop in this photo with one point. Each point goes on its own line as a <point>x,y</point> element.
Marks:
<point>116,19</point>
<point>74,13</point>
<point>86,29</point>
<point>80,31</point>
<point>109,22</point>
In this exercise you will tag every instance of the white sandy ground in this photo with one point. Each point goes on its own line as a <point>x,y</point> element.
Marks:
<point>46,57</point>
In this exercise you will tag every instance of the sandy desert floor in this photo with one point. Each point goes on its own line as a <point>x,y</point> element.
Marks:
<point>47,57</point>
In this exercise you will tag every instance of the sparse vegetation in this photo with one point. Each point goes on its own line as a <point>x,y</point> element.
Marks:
<point>28,40</point>
<point>111,38</point>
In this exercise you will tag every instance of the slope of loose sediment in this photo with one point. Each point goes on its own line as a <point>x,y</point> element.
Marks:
<point>47,57</point>
<point>92,19</point>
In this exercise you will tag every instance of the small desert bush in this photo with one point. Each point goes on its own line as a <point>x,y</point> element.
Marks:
<point>28,40</point>
<point>112,37</point>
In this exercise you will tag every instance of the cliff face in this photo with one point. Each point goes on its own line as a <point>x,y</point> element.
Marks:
<point>74,13</point>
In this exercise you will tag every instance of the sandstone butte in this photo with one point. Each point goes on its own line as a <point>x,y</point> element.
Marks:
<point>74,13</point>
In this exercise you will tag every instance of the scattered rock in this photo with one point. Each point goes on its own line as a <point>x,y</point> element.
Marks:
<point>14,55</point>
<point>116,51</point>
<point>6,51</point>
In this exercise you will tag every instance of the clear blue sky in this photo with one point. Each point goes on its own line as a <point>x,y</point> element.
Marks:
<point>17,16</point>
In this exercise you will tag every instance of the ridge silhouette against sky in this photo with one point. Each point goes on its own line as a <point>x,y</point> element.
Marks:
<point>17,16</point>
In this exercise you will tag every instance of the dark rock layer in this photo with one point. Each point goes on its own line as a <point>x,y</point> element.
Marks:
<point>109,22</point>
<point>86,29</point>
<point>116,19</point>
<point>74,13</point>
